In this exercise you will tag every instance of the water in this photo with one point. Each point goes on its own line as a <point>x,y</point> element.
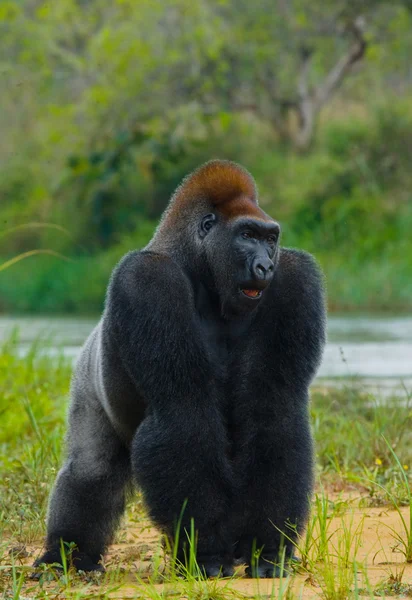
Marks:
<point>377,349</point>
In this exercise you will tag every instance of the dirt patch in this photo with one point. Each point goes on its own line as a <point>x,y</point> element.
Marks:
<point>365,536</point>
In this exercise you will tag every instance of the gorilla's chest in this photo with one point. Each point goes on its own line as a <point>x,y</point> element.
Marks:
<point>232,347</point>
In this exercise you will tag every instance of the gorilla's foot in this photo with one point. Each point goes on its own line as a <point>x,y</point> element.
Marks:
<point>79,560</point>
<point>215,568</point>
<point>266,571</point>
<point>268,568</point>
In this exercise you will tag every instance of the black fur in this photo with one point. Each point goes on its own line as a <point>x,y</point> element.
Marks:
<point>199,393</point>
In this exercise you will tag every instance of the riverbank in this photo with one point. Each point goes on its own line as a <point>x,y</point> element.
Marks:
<point>356,540</point>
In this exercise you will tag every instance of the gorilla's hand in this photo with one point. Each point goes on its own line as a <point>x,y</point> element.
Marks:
<point>79,560</point>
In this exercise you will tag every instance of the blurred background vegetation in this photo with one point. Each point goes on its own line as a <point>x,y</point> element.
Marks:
<point>106,104</point>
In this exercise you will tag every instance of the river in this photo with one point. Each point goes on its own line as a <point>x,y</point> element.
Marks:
<point>377,349</point>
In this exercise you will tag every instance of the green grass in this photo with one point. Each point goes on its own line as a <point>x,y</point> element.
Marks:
<point>361,444</point>
<point>349,424</point>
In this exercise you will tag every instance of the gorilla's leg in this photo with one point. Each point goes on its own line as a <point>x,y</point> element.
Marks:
<point>171,465</point>
<point>89,494</point>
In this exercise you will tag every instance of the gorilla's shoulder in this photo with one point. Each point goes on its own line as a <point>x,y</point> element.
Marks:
<point>295,260</point>
<point>300,266</point>
<point>300,281</point>
<point>144,272</point>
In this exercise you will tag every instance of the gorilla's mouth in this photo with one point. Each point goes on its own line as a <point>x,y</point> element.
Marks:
<point>251,293</point>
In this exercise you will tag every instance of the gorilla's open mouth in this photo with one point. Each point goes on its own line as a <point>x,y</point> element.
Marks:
<point>251,293</point>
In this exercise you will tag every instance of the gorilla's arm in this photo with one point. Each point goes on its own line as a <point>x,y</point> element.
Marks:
<point>275,426</point>
<point>180,450</point>
<point>150,311</point>
<point>298,316</point>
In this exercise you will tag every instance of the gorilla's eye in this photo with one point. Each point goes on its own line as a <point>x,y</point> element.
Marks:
<point>272,239</point>
<point>248,235</point>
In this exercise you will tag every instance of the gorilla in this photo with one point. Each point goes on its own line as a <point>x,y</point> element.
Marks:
<point>194,384</point>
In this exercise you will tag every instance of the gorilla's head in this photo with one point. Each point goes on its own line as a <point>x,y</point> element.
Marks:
<point>214,226</point>
<point>242,254</point>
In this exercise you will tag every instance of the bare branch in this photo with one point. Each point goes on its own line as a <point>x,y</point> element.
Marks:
<point>295,115</point>
<point>303,79</point>
<point>305,108</point>
<point>66,56</point>
<point>344,65</point>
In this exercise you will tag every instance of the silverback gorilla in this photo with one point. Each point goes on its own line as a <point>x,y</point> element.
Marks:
<point>195,385</point>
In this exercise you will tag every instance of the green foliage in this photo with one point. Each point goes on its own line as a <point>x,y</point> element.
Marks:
<point>32,395</point>
<point>348,202</point>
<point>343,417</point>
<point>75,286</point>
<point>33,400</point>
<point>124,183</point>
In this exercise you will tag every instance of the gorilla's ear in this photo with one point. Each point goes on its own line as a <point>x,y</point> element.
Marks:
<point>206,225</point>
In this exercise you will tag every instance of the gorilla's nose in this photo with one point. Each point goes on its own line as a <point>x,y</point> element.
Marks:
<point>263,268</point>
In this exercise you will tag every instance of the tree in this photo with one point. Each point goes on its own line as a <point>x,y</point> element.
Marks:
<point>285,60</point>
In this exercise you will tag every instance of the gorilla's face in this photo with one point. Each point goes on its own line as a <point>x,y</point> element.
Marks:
<point>242,256</point>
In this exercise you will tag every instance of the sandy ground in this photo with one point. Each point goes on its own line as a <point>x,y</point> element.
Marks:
<point>377,554</point>
<point>378,558</point>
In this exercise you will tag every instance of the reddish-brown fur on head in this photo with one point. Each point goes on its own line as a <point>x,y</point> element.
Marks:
<point>221,184</point>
